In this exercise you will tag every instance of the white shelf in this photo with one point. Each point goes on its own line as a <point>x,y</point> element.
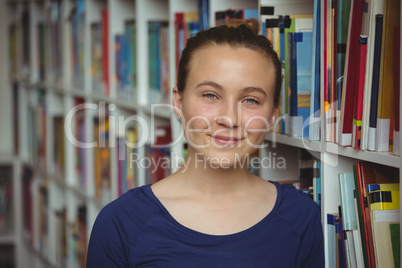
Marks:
<point>295,142</point>
<point>387,159</point>
<point>7,239</point>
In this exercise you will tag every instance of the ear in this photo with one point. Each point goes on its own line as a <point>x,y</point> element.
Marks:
<point>177,102</point>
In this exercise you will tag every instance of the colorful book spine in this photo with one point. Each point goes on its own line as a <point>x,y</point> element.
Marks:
<point>358,105</point>
<point>314,118</point>
<point>350,73</point>
<point>385,114</point>
<point>375,83</point>
<point>397,87</point>
<point>105,51</point>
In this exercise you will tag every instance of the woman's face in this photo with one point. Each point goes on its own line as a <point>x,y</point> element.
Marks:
<point>227,105</point>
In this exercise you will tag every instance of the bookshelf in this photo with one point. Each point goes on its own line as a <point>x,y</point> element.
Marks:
<point>64,185</point>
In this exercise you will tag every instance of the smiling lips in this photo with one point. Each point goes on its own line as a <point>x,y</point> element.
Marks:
<point>224,140</point>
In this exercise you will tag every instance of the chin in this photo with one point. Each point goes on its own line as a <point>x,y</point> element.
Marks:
<point>223,160</point>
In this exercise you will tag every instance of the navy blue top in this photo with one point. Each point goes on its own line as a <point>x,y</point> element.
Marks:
<point>136,230</point>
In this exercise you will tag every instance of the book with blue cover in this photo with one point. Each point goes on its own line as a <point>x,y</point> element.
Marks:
<point>303,43</point>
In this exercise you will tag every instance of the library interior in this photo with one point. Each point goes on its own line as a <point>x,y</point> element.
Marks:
<point>86,115</point>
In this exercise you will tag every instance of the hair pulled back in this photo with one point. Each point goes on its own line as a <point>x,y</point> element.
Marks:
<point>237,34</point>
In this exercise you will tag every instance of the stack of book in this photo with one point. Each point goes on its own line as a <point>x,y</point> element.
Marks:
<point>296,39</point>
<point>365,230</point>
<point>361,77</point>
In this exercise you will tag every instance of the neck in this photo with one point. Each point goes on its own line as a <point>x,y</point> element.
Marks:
<point>212,179</point>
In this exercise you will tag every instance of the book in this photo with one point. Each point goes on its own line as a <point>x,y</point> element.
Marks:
<point>203,14</point>
<point>105,51</point>
<point>381,221</point>
<point>6,187</point>
<point>333,60</point>
<point>361,230</point>
<point>350,72</point>
<point>375,8</point>
<point>372,131</point>
<point>397,87</point>
<point>342,242</point>
<point>370,173</point>
<point>317,182</point>
<point>314,118</point>
<point>96,58</point>
<point>395,243</point>
<point>347,187</point>
<point>385,114</point>
<point>350,219</point>
<point>343,12</point>
<point>358,104</point>
<point>331,234</point>
<point>102,177</point>
<point>383,196</point>
<point>300,85</point>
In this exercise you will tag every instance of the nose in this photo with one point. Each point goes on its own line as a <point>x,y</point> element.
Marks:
<point>229,115</point>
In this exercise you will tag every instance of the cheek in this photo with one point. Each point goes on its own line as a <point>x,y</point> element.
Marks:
<point>256,124</point>
<point>198,116</point>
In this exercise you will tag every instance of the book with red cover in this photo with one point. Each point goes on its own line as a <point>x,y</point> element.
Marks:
<point>371,173</point>
<point>351,72</point>
<point>332,88</point>
<point>180,36</point>
<point>105,50</point>
<point>358,108</point>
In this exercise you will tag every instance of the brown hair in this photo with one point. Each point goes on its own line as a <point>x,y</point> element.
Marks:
<point>237,33</point>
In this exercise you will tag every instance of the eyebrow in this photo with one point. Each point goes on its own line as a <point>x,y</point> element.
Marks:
<point>219,87</point>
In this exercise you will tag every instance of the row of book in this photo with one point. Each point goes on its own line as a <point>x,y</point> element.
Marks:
<point>188,23</point>
<point>296,40</point>
<point>225,16</point>
<point>158,60</point>
<point>365,229</point>
<point>125,145</point>
<point>50,43</point>
<point>49,47</point>
<point>309,182</point>
<point>37,112</point>
<point>361,77</point>
<point>71,237</point>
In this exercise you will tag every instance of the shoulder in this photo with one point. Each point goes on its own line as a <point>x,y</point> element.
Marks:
<point>293,199</point>
<point>117,226</point>
<point>298,210</point>
<point>124,217</point>
<point>303,216</point>
<point>133,206</point>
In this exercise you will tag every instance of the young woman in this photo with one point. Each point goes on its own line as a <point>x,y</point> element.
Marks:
<point>213,212</point>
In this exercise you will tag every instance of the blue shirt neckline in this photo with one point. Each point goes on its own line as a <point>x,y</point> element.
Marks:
<point>200,235</point>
